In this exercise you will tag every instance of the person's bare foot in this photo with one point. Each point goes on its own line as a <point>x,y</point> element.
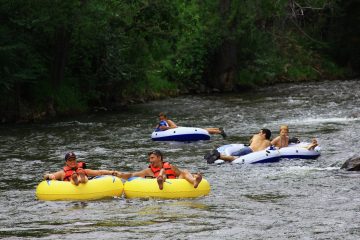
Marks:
<point>222,132</point>
<point>75,179</point>
<point>160,182</point>
<point>313,145</point>
<point>197,180</point>
<point>82,176</point>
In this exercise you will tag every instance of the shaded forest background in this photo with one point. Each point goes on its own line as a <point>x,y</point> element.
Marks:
<point>71,56</point>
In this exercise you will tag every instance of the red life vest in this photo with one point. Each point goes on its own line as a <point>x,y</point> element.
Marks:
<point>168,171</point>
<point>69,171</point>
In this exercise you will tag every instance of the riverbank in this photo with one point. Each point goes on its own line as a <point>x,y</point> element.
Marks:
<point>49,113</point>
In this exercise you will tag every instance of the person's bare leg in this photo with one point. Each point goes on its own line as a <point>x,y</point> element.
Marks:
<point>312,145</point>
<point>161,178</point>
<point>222,132</point>
<point>227,158</point>
<point>216,131</point>
<point>212,130</point>
<point>198,179</point>
<point>160,181</point>
<point>74,179</point>
<point>185,174</point>
<point>82,177</point>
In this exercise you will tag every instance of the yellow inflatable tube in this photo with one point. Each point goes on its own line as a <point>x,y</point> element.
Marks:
<point>96,188</point>
<point>173,188</point>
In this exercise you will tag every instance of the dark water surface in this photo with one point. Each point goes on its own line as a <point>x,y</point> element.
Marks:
<point>290,199</point>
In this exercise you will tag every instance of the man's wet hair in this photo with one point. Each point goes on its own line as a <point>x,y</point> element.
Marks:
<point>267,133</point>
<point>157,153</point>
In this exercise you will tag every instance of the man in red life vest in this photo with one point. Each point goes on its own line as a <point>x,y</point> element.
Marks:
<point>76,172</point>
<point>162,170</point>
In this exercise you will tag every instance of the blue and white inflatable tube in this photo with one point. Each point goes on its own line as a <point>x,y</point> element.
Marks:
<point>183,134</point>
<point>270,154</point>
<point>300,151</point>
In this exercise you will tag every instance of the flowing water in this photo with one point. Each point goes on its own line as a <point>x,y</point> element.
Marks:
<point>290,199</point>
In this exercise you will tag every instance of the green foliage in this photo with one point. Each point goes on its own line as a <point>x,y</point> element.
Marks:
<point>158,84</point>
<point>344,35</point>
<point>283,42</point>
<point>300,72</point>
<point>74,53</point>
<point>333,71</point>
<point>68,99</point>
<point>195,37</point>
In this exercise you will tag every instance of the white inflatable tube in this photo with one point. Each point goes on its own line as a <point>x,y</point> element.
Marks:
<point>263,156</point>
<point>183,134</point>
<point>298,151</point>
<point>229,149</point>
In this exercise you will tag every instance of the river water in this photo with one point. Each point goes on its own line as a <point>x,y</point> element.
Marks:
<point>290,199</point>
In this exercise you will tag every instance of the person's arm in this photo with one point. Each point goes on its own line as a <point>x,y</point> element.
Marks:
<point>126,175</point>
<point>251,139</point>
<point>275,141</point>
<point>93,173</point>
<point>144,173</point>
<point>176,170</point>
<point>171,124</point>
<point>59,175</point>
<point>122,175</point>
<point>287,140</point>
<point>163,128</point>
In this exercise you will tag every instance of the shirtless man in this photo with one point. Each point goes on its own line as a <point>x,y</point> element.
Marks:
<point>258,142</point>
<point>283,139</point>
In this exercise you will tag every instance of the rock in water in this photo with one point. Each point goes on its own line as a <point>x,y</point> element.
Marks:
<point>352,164</point>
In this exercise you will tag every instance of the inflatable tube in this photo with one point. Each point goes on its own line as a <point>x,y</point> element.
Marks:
<point>183,134</point>
<point>173,188</point>
<point>298,151</point>
<point>268,155</point>
<point>96,188</point>
<point>264,156</point>
<point>229,149</point>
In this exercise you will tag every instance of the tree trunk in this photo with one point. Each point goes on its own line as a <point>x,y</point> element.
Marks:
<point>61,48</point>
<point>222,73</point>
<point>62,38</point>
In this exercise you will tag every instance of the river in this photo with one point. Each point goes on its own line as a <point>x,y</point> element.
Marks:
<point>289,199</point>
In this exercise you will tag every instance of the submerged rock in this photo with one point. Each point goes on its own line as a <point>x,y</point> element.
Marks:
<point>352,164</point>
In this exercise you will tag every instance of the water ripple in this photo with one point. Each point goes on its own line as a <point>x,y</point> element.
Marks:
<point>290,199</point>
